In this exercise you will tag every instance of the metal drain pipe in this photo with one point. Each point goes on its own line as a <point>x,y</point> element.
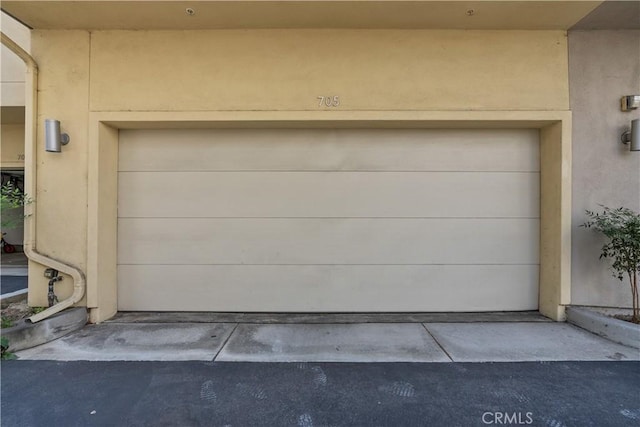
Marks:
<point>31,117</point>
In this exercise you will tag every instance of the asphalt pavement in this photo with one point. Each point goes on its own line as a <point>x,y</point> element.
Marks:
<point>554,394</point>
<point>11,284</point>
<point>13,274</point>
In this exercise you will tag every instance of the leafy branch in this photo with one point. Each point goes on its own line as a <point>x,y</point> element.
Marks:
<point>621,226</point>
<point>11,197</point>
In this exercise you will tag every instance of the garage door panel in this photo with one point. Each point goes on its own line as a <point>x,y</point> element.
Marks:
<point>329,150</point>
<point>328,288</point>
<point>328,220</point>
<point>327,241</point>
<point>328,194</point>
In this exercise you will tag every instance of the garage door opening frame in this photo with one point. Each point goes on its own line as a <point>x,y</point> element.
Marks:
<point>555,179</point>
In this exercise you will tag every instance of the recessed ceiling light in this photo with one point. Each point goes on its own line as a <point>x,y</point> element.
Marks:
<point>190,11</point>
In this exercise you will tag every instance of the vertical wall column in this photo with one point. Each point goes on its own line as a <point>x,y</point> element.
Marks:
<point>61,198</point>
<point>555,219</point>
<point>102,280</point>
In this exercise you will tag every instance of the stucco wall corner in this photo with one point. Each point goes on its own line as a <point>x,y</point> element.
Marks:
<point>61,196</point>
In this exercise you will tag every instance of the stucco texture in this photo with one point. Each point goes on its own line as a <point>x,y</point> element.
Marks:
<point>289,69</point>
<point>604,66</point>
<point>61,197</point>
<point>87,76</point>
<point>12,145</point>
<point>12,68</point>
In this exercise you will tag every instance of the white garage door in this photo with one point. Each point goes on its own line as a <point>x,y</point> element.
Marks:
<point>350,220</point>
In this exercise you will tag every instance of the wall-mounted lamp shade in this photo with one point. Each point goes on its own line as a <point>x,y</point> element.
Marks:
<point>53,139</point>
<point>632,137</point>
<point>630,102</point>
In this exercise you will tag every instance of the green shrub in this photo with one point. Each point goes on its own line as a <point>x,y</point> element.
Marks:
<point>6,322</point>
<point>4,349</point>
<point>11,197</point>
<point>622,228</point>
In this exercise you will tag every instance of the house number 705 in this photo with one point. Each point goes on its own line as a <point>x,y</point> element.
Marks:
<point>328,101</point>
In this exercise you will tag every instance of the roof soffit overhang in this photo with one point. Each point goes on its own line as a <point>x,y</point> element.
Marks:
<point>240,14</point>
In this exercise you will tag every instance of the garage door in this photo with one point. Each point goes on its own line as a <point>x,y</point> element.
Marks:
<point>349,220</point>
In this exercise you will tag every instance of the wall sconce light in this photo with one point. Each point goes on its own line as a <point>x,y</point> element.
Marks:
<point>630,102</point>
<point>53,139</point>
<point>632,137</point>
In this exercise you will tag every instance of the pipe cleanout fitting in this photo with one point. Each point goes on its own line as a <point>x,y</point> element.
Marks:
<point>52,275</point>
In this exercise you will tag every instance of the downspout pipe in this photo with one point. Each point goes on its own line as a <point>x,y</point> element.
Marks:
<point>30,249</point>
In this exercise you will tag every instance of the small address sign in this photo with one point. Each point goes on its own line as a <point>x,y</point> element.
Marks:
<point>329,101</point>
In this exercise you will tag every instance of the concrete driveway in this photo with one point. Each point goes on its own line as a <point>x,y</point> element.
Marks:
<point>335,342</point>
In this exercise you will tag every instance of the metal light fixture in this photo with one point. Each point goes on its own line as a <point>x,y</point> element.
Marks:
<point>53,139</point>
<point>632,136</point>
<point>630,102</point>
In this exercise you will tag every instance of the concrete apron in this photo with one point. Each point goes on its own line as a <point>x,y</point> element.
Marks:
<point>333,342</point>
<point>598,322</point>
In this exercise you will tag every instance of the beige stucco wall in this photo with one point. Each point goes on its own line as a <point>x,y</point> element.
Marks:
<point>12,158</point>
<point>12,100</point>
<point>604,66</point>
<point>369,70</point>
<point>88,78</point>
<point>61,198</point>
<point>12,145</point>
<point>11,67</point>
